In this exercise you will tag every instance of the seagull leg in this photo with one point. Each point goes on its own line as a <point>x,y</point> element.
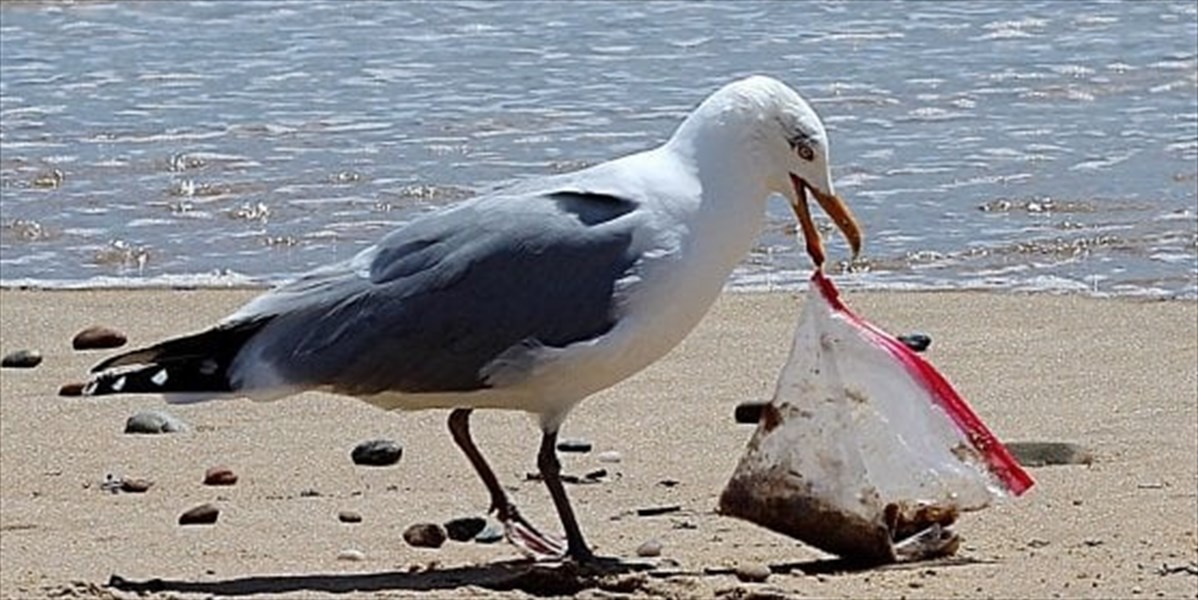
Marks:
<point>551,470</point>
<point>518,531</point>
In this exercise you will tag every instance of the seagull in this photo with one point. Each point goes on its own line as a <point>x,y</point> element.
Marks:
<point>528,298</point>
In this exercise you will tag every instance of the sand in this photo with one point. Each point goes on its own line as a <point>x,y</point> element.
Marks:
<point>1117,376</point>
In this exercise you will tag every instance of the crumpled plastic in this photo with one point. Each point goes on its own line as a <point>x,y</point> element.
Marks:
<point>866,451</point>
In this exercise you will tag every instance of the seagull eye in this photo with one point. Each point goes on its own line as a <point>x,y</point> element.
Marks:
<point>803,150</point>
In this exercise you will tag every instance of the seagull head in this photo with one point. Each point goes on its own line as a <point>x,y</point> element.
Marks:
<point>784,141</point>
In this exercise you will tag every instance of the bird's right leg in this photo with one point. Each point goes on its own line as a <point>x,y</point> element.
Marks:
<point>518,531</point>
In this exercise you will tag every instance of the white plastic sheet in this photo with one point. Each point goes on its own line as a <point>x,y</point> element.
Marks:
<point>866,451</point>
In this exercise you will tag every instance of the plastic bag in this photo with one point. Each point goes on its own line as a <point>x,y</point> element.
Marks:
<point>866,451</point>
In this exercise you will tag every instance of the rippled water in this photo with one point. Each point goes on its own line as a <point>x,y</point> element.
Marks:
<point>1033,145</point>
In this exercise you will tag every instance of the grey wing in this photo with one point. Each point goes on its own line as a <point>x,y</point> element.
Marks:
<point>440,298</point>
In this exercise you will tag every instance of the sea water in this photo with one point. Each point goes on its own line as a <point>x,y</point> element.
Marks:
<point>996,145</point>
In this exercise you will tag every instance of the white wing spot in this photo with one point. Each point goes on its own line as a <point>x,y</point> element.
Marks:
<point>159,378</point>
<point>118,384</point>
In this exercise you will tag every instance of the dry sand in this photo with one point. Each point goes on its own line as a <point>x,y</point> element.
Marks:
<point>1118,376</point>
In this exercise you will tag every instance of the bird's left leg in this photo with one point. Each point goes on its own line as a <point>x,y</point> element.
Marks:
<point>551,470</point>
<point>517,530</point>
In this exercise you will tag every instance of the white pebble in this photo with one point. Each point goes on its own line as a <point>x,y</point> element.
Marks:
<point>352,555</point>
<point>609,456</point>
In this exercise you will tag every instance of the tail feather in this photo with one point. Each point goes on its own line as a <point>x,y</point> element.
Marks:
<point>193,363</point>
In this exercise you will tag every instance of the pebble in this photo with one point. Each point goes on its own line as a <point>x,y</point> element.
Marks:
<point>653,511</point>
<point>349,516</point>
<point>649,548</point>
<point>97,337</point>
<point>154,421</point>
<point>465,529</point>
<point>609,456</point>
<point>204,514</point>
<point>425,535</point>
<point>749,413</point>
<point>916,342</point>
<point>22,359</point>
<point>490,534</point>
<point>574,445</point>
<point>753,572</point>
<point>1040,454</point>
<point>351,555</point>
<point>70,390</point>
<point>377,453</point>
<point>135,485</point>
<point>219,475</point>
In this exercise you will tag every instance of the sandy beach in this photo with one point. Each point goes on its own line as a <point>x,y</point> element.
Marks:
<point>1117,376</point>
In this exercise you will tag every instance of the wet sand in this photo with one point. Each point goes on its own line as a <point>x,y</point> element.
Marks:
<point>1118,376</point>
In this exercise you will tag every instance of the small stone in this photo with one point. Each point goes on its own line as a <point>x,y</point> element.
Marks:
<point>377,453</point>
<point>349,516</point>
<point>649,548</point>
<point>70,390</point>
<point>425,535</point>
<point>609,456</point>
<point>749,413</point>
<point>653,511</point>
<point>465,528</point>
<point>352,555</point>
<point>21,359</point>
<point>753,572</point>
<point>916,342</point>
<point>98,337</point>
<point>490,534</point>
<point>204,514</point>
<point>219,475</point>
<point>153,421</point>
<point>135,485</point>
<point>575,445</point>
<point>1041,454</point>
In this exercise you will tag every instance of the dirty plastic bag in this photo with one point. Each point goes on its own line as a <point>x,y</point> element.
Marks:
<point>866,451</point>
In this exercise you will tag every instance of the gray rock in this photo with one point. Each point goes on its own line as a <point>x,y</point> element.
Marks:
<point>1041,454</point>
<point>204,514</point>
<point>574,445</point>
<point>753,572</point>
<point>464,529</point>
<point>425,535</point>
<point>352,555</point>
<point>377,453</point>
<point>649,549</point>
<point>154,421</point>
<point>610,457</point>
<point>96,337</point>
<point>21,359</point>
<point>916,342</point>
<point>490,534</point>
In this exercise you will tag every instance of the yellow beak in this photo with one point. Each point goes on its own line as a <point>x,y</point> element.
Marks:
<point>836,209</point>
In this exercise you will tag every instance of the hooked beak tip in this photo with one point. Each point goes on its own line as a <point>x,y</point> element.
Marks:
<point>836,209</point>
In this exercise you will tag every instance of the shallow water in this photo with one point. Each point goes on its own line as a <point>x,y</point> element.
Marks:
<point>1035,145</point>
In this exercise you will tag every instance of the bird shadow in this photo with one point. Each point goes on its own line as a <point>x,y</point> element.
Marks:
<point>846,566</point>
<point>535,578</point>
